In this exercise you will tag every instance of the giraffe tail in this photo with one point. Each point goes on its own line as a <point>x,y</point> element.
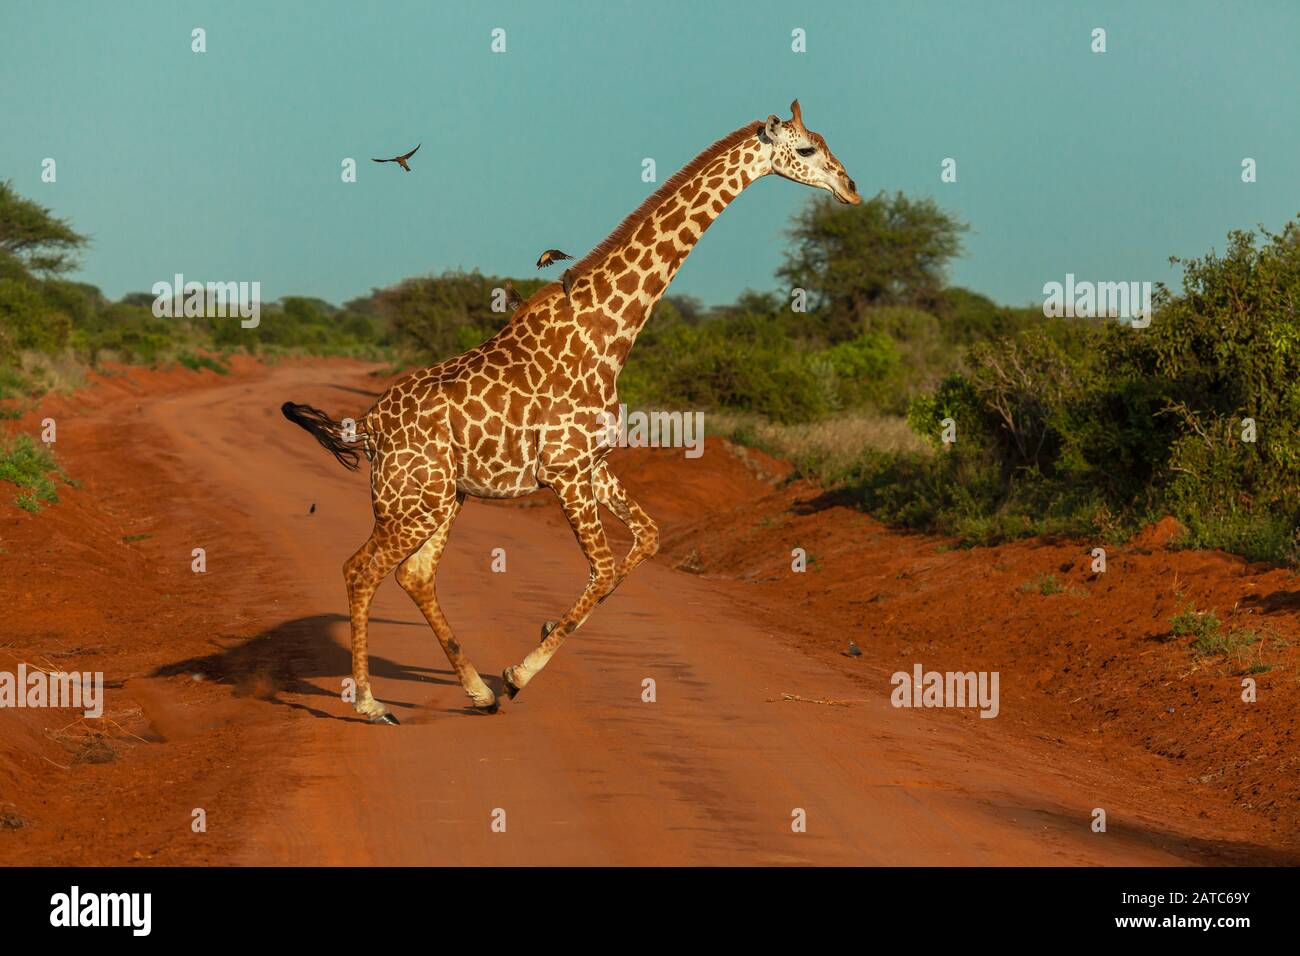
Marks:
<point>339,441</point>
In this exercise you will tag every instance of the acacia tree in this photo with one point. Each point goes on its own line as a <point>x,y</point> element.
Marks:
<point>34,314</point>
<point>35,238</point>
<point>891,250</point>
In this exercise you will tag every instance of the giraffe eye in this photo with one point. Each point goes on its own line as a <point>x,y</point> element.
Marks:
<point>806,150</point>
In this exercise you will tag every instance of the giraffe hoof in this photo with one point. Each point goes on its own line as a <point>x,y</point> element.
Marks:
<point>511,687</point>
<point>491,708</point>
<point>547,628</point>
<point>384,719</point>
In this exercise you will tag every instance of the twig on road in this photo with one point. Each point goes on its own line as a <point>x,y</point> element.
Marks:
<point>814,700</point>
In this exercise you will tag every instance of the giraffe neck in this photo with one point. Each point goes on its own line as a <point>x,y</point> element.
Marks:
<point>619,283</point>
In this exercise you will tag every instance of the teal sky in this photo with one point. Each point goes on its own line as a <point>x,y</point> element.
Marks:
<point>226,165</point>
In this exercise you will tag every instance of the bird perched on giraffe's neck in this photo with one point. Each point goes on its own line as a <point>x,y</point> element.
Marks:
<point>513,299</point>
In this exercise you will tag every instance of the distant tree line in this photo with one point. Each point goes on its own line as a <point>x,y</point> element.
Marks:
<point>1062,424</point>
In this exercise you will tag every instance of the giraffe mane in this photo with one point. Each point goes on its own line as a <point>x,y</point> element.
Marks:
<point>674,182</point>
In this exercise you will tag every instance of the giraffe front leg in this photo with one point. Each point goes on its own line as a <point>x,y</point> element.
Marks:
<point>578,499</point>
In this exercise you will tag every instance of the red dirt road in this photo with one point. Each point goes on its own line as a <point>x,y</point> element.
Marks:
<point>584,770</point>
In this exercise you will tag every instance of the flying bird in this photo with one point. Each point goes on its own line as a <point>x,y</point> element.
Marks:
<point>513,299</point>
<point>550,257</point>
<point>399,160</point>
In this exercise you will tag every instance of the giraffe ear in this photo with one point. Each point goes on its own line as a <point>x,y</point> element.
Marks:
<point>771,126</point>
<point>796,113</point>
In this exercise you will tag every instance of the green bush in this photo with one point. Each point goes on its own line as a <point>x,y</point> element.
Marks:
<point>440,316</point>
<point>28,320</point>
<point>714,370</point>
<point>1201,625</point>
<point>130,332</point>
<point>13,383</point>
<point>195,362</point>
<point>866,370</point>
<point>33,469</point>
<point>1104,426</point>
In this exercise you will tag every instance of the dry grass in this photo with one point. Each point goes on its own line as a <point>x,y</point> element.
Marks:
<point>824,450</point>
<point>62,373</point>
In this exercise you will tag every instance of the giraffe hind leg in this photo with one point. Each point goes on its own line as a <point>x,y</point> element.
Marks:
<point>389,544</point>
<point>417,576</point>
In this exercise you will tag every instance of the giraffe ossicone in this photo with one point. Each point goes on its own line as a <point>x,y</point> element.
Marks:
<point>529,407</point>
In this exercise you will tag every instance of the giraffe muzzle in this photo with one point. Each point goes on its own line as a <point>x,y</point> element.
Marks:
<point>846,191</point>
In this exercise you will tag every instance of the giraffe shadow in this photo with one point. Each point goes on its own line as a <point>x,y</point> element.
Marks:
<point>291,659</point>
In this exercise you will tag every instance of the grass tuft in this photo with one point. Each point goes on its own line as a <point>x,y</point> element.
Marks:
<point>194,362</point>
<point>1044,584</point>
<point>30,466</point>
<point>1203,626</point>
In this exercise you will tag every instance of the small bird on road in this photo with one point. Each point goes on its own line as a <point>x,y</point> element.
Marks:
<point>853,651</point>
<point>313,509</point>
<point>399,160</point>
<point>513,299</point>
<point>550,257</point>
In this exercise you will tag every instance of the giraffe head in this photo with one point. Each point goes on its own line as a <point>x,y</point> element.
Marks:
<point>802,155</point>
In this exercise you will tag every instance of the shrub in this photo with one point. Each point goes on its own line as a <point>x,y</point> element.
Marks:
<point>1102,427</point>
<point>33,469</point>
<point>865,370</point>
<point>28,320</point>
<point>1203,626</point>
<point>195,362</point>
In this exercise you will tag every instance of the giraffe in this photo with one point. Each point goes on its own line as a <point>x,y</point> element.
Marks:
<point>531,406</point>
